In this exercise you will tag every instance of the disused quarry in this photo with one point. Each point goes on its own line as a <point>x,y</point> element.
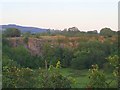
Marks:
<point>35,45</point>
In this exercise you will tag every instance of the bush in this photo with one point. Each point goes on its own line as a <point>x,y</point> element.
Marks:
<point>14,77</point>
<point>97,78</point>
<point>52,78</point>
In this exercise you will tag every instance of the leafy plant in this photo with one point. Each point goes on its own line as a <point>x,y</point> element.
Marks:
<point>52,78</point>
<point>97,78</point>
<point>114,61</point>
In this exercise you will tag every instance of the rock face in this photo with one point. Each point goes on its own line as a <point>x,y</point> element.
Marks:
<point>17,41</point>
<point>36,45</point>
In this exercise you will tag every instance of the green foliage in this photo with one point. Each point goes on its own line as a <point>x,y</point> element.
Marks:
<point>52,78</point>
<point>64,55</point>
<point>12,32</point>
<point>92,32</point>
<point>114,61</point>
<point>14,77</point>
<point>22,56</point>
<point>97,78</point>
<point>79,60</point>
<point>26,37</point>
<point>17,59</point>
<point>107,32</point>
<point>8,62</point>
<point>5,41</point>
<point>107,67</point>
<point>53,53</point>
<point>88,53</point>
<point>67,55</point>
<point>58,65</point>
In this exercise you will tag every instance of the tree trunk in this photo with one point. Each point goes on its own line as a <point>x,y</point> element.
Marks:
<point>45,64</point>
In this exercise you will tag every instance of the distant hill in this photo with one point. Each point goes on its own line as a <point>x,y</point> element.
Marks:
<point>24,29</point>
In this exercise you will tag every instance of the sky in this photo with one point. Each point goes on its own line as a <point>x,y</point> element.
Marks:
<point>59,14</point>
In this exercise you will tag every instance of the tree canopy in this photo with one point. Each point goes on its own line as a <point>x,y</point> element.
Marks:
<point>106,32</point>
<point>12,32</point>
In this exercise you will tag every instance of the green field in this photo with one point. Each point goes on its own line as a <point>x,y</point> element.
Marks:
<point>81,77</point>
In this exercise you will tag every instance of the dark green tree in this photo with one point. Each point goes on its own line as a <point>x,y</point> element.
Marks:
<point>12,32</point>
<point>107,32</point>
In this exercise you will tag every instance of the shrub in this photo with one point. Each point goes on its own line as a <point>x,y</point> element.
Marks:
<point>97,78</point>
<point>52,78</point>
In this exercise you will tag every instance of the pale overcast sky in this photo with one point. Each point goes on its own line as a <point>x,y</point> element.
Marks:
<point>60,14</point>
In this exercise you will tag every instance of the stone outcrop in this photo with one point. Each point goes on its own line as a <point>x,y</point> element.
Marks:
<point>35,45</point>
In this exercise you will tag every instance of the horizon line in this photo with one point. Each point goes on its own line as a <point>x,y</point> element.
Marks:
<point>53,28</point>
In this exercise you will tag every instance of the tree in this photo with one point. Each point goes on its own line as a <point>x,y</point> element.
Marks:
<point>80,59</point>
<point>48,31</point>
<point>88,53</point>
<point>67,57</point>
<point>106,32</point>
<point>12,32</point>
<point>48,53</point>
<point>65,30</point>
<point>73,29</point>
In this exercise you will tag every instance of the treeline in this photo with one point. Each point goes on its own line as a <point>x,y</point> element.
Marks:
<point>73,31</point>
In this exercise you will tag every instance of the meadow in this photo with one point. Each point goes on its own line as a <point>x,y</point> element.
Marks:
<point>81,77</point>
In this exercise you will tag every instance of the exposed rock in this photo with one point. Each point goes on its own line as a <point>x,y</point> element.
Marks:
<point>35,45</point>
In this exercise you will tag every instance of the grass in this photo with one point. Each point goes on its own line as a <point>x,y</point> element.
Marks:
<point>81,77</point>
